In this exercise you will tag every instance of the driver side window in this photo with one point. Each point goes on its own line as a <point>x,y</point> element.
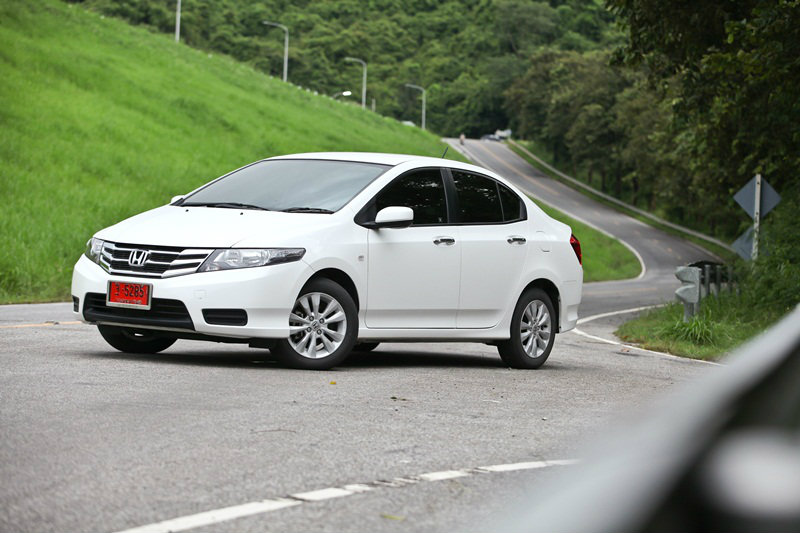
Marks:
<point>421,190</point>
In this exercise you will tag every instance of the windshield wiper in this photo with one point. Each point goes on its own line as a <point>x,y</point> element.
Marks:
<point>306,210</point>
<point>225,205</point>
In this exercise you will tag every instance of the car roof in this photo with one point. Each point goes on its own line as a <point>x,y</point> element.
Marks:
<point>370,157</point>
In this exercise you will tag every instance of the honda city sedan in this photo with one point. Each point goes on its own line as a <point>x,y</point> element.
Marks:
<point>315,255</point>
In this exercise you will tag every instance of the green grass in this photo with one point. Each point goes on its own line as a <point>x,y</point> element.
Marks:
<point>101,120</point>
<point>722,325</point>
<point>604,258</point>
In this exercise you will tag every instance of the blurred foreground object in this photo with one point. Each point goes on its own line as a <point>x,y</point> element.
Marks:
<point>721,454</point>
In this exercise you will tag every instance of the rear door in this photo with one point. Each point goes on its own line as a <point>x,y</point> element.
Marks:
<point>494,246</point>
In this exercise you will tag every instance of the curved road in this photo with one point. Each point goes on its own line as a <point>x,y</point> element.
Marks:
<point>408,438</point>
<point>660,252</point>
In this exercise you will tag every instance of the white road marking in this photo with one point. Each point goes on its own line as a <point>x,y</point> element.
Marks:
<point>631,346</point>
<point>322,494</point>
<point>215,517</point>
<point>526,466</point>
<point>440,476</point>
<point>614,313</point>
<point>225,514</point>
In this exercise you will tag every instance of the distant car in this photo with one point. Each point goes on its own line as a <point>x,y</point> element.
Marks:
<point>312,255</point>
<point>490,137</point>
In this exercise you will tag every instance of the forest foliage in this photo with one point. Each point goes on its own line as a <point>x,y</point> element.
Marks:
<point>669,106</point>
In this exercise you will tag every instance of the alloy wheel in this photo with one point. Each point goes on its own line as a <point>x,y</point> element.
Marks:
<point>535,328</point>
<point>317,325</point>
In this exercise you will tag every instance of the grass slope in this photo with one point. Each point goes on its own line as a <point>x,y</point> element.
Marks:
<point>100,120</point>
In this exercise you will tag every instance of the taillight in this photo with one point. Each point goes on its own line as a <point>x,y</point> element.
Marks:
<point>576,247</point>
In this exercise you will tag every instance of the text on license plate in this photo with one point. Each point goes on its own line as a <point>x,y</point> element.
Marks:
<point>124,294</point>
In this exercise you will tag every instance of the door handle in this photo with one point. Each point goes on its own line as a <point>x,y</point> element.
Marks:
<point>516,239</point>
<point>447,241</point>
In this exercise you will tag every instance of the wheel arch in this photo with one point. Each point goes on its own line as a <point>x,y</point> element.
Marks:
<point>551,290</point>
<point>340,277</point>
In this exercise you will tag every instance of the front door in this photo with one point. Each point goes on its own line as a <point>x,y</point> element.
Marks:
<point>414,272</point>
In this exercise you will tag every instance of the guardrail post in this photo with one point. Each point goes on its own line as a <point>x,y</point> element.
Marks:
<point>689,291</point>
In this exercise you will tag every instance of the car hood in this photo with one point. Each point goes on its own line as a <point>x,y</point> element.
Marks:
<point>209,227</point>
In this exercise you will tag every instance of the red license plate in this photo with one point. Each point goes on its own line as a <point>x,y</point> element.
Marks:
<point>124,294</point>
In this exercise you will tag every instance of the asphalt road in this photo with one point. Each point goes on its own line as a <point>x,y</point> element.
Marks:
<point>95,440</point>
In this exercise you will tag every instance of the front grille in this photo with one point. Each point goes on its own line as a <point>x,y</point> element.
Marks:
<point>160,261</point>
<point>162,313</point>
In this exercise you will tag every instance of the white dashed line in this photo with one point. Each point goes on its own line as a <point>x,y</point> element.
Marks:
<point>215,517</point>
<point>225,514</point>
<point>441,476</point>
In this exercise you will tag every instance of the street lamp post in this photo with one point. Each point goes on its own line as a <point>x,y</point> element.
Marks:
<point>417,87</point>
<point>363,80</point>
<point>285,46</point>
<point>178,22</point>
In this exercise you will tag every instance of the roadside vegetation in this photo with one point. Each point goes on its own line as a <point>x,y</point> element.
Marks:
<point>765,291</point>
<point>102,120</point>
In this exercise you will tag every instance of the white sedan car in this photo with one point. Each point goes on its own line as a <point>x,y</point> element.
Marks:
<point>315,255</point>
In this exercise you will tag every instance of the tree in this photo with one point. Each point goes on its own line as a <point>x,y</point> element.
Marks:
<point>735,87</point>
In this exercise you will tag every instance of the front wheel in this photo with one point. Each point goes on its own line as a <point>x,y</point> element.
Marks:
<point>323,327</point>
<point>533,331</point>
<point>135,341</point>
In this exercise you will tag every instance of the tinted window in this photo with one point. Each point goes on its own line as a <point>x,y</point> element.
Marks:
<point>478,199</point>
<point>422,191</point>
<point>286,183</point>
<point>512,205</point>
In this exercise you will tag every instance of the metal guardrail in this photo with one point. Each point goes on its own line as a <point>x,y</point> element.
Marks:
<point>719,454</point>
<point>616,201</point>
<point>699,281</point>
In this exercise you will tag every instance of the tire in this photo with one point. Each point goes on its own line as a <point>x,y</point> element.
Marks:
<point>365,346</point>
<point>312,343</point>
<point>135,341</point>
<point>532,351</point>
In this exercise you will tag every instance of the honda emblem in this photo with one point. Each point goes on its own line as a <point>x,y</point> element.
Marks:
<point>138,258</point>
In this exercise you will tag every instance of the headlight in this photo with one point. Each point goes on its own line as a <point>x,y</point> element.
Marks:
<point>94,248</point>
<point>230,258</point>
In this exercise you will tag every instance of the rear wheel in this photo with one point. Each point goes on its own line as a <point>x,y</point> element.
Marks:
<point>135,341</point>
<point>323,327</point>
<point>532,331</point>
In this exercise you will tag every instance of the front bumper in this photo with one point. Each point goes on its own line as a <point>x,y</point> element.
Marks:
<point>267,294</point>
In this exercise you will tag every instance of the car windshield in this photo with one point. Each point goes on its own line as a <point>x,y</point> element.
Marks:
<point>292,185</point>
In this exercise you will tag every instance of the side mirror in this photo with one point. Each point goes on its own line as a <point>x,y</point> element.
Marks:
<point>394,217</point>
<point>175,199</point>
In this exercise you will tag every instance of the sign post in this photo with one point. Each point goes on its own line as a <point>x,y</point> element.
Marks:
<point>757,198</point>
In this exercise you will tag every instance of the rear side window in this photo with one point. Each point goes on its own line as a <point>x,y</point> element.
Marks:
<point>422,191</point>
<point>512,205</point>
<point>478,198</point>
